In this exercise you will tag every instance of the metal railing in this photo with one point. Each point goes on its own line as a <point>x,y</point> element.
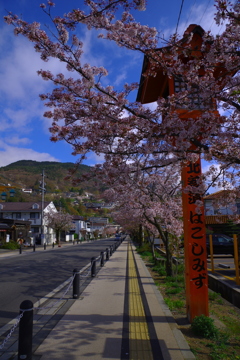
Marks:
<point>77,282</point>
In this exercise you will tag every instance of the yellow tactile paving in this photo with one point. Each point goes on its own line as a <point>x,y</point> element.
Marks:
<point>139,343</point>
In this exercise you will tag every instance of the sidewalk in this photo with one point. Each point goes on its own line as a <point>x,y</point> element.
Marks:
<point>117,317</point>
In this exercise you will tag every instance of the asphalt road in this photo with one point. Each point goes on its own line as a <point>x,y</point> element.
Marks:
<point>32,275</point>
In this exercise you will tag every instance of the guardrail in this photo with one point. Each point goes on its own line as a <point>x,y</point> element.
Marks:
<point>77,282</point>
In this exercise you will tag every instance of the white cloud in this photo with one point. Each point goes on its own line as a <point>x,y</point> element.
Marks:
<point>151,106</point>
<point>10,154</point>
<point>19,63</point>
<point>201,14</point>
<point>120,78</point>
<point>93,159</point>
<point>16,140</point>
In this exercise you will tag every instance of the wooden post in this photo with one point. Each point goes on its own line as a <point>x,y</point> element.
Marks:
<point>235,244</point>
<point>211,252</point>
<point>194,244</point>
<point>161,86</point>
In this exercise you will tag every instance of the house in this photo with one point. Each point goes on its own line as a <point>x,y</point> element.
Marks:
<point>33,212</point>
<point>220,214</point>
<point>94,220</point>
<point>93,205</point>
<point>13,229</point>
<point>27,191</point>
<point>218,204</point>
<point>98,224</point>
<point>80,227</point>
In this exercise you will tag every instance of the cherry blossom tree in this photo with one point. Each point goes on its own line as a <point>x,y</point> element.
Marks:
<point>59,221</point>
<point>153,202</point>
<point>93,117</point>
<point>109,231</point>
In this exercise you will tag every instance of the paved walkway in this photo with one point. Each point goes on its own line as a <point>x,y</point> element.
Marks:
<point>120,315</point>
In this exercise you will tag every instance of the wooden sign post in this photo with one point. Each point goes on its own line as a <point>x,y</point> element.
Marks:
<point>151,88</point>
<point>194,244</point>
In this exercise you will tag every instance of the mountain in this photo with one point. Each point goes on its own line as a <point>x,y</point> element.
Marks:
<point>27,174</point>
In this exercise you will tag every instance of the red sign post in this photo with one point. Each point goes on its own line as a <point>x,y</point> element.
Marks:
<point>194,244</point>
<point>160,85</point>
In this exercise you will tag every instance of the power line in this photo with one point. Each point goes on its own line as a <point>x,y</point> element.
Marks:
<point>186,23</point>
<point>204,11</point>
<point>180,12</point>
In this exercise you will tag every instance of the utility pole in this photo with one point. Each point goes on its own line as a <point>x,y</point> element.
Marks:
<point>42,189</point>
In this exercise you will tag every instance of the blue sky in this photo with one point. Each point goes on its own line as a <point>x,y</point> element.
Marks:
<point>24,130</point>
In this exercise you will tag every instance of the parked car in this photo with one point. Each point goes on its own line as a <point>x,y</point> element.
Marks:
<point>222,244</point>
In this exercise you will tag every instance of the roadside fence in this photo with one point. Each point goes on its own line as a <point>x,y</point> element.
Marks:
<point>78,281</point>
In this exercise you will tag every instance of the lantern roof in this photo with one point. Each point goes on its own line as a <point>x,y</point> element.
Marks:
<point>153,87</point>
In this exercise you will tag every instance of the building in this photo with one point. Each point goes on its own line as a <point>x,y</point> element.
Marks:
<point>32,212</point>
<point>13,229</point>
<point>80,227</point>
<point>218,204</point>
<point>27,191</point>
<point>220,214</point>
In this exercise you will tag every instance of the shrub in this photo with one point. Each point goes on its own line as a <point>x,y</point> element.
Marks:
<point>160,269</point>
<point>203,326</point>
<point>145,248</point>
<point>174,304</point>
<point>11,245</point>
<point>177,278</point>
<point>175,290</point>
<point>145,251</point>
<point>213,295</point>
<point>174,284</point>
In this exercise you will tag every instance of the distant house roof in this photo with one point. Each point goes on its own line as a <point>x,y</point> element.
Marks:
<point>78,217</point>
<point>96,219</point>
<point>217,194</point>
<point>219,219</point>
<point>93,205</point>
<point>23,206</point>
<point>97,224</point>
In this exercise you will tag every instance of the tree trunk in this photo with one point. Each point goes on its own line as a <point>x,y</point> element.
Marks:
<point>140,235</point>
<point>58,238</point>
<point>164,236</point>
<point>169,269</point>
<point>151,242</point>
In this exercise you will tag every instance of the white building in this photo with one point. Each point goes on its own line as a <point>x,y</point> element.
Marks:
<point>80,227</point>
<point>33,212</point>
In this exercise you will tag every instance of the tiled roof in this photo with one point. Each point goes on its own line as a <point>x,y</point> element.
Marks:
<point>78,217</point>
<point>23,206</point>
<point>217,194</point>
<point>217,219</point>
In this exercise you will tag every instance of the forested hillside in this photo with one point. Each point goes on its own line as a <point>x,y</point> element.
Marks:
<point>27,174</point>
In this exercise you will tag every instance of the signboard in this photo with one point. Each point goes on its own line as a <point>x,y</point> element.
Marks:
<point>194,243</point>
